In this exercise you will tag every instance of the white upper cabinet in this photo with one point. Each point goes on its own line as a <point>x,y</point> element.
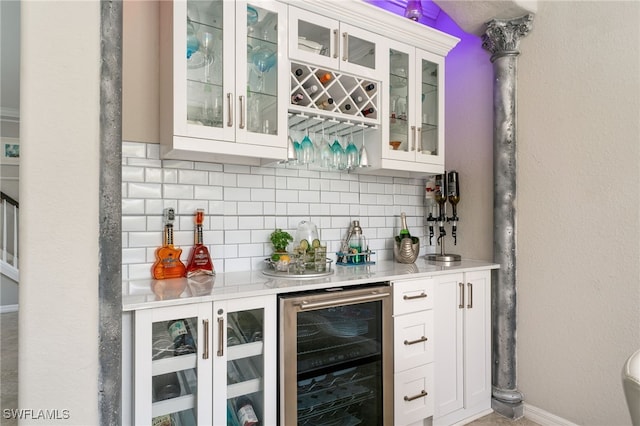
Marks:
<point>413,131</point>
<point>333,44</point>
<point>224,80</point>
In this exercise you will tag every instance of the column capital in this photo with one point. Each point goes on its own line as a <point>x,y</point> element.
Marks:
<point>502,36</point>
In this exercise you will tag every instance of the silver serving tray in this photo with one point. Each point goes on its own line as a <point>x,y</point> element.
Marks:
<point>286,274</point>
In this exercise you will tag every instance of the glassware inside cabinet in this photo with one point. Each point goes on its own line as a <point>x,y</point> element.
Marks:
<point>175,380</point>
<point>429,99</point>
<point>245,366</point>
<point>204,44</point>
<point>262,70</point>
<point>314,38</point>
<point>398,105</point>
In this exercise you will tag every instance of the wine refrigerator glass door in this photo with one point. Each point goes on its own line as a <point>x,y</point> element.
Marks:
<point>170,354</point>
<point>336,358</point>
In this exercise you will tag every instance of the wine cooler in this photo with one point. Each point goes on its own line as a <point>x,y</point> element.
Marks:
<point>336,357</point>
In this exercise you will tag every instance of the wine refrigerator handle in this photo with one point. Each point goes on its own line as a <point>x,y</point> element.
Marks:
<point>220,336</point>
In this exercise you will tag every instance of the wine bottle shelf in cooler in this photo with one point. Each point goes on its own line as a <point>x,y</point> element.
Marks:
<point>341,96</point>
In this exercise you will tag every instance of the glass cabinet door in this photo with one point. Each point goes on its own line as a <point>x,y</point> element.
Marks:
<point>246,354</point>
<point>172,367</point>
<point>431,137</point>
<point>204,46</point>
<point>359,52</point>
<point>399,108</point>
<point>314,38</point>
<point>262,72</point>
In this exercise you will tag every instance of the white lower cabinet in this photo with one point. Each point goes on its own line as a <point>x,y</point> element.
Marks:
<point>198,364</point>
<point>462,324</point>
<point>413,350</point>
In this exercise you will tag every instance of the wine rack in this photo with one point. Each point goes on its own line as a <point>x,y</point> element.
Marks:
<point>330,94</point>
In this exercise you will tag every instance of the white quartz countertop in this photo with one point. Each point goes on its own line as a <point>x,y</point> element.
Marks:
<point>145,294</point>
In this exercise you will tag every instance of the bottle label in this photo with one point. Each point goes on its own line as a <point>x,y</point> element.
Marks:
<point>247,416</point>
<point>177,329</point>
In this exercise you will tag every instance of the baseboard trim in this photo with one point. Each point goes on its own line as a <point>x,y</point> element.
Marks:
<point>544,418</point>
<point>5,309</point>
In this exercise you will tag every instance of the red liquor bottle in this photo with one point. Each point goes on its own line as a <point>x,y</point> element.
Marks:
<point>199,262</point>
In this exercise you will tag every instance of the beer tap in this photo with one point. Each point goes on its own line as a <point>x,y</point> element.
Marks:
<point>453,194</point>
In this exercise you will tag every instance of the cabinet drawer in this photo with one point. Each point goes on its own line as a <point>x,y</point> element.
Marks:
<point>412,295</point>
<point>413,399</point>
<point>413,337</point>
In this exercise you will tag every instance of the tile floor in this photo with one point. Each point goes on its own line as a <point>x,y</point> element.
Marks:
<point>9,377</point>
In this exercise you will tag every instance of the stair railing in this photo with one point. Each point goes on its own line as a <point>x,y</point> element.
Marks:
<point>10,209</point>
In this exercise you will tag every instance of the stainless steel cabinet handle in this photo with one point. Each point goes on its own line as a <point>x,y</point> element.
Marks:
<point>220,336</point>
<point>413,342</point>
<point>205,332</point>
<point>420,395</point>
<point>461,305</point>
<point>241,100</point>
<point>345,45</point>
<point>230,109</point>
<point>413,137</point>
<point>336,43</point>
<point>419,139</point>
<point>418,296</point>
<point>470,305</point>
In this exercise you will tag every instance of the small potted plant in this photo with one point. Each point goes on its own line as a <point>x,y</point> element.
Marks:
<point>280,239</point>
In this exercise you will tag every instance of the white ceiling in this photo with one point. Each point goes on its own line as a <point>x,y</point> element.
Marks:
<point>9,59</point>
<point>470,15</point>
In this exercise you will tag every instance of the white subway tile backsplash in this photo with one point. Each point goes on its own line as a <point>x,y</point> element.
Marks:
<point>193,177</point>
<point>244,204</point>
<point>251,208</point>
<point>237,237</point>
<point>144,190</point>
<point>249,181</point>
<point>202,192</point>
<point>237,194</point>
<point>177,191</point>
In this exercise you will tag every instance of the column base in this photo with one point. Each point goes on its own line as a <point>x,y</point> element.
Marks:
<point>509,410</point>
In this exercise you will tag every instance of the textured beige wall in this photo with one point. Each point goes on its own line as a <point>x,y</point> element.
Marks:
<point>141,73</point>
<point>578,208</point>
<point>59,199</point>
<point>469,142</point>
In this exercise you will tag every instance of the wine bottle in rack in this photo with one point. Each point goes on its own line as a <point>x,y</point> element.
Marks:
<point>346,108</point>
<point>180,333</point>
<point>311,89</point>
<point>295,99</point>
<point>324,77</point>
<point>246,414</point>
<point>357,99</point>
<point>367,111</point>
<point>298,72</point>
<point>369,87</point>
<point>325,104</point>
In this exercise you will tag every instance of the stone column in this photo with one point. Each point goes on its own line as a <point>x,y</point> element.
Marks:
<point>501,39</point>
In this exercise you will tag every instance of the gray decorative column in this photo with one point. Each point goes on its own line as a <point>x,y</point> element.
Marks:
<point>501,39</point>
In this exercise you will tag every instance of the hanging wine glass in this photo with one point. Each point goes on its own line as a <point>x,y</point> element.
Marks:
<point>351,153</point>
<point>325,151</point>
<point>338,155</point>
<point>306,146</point>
